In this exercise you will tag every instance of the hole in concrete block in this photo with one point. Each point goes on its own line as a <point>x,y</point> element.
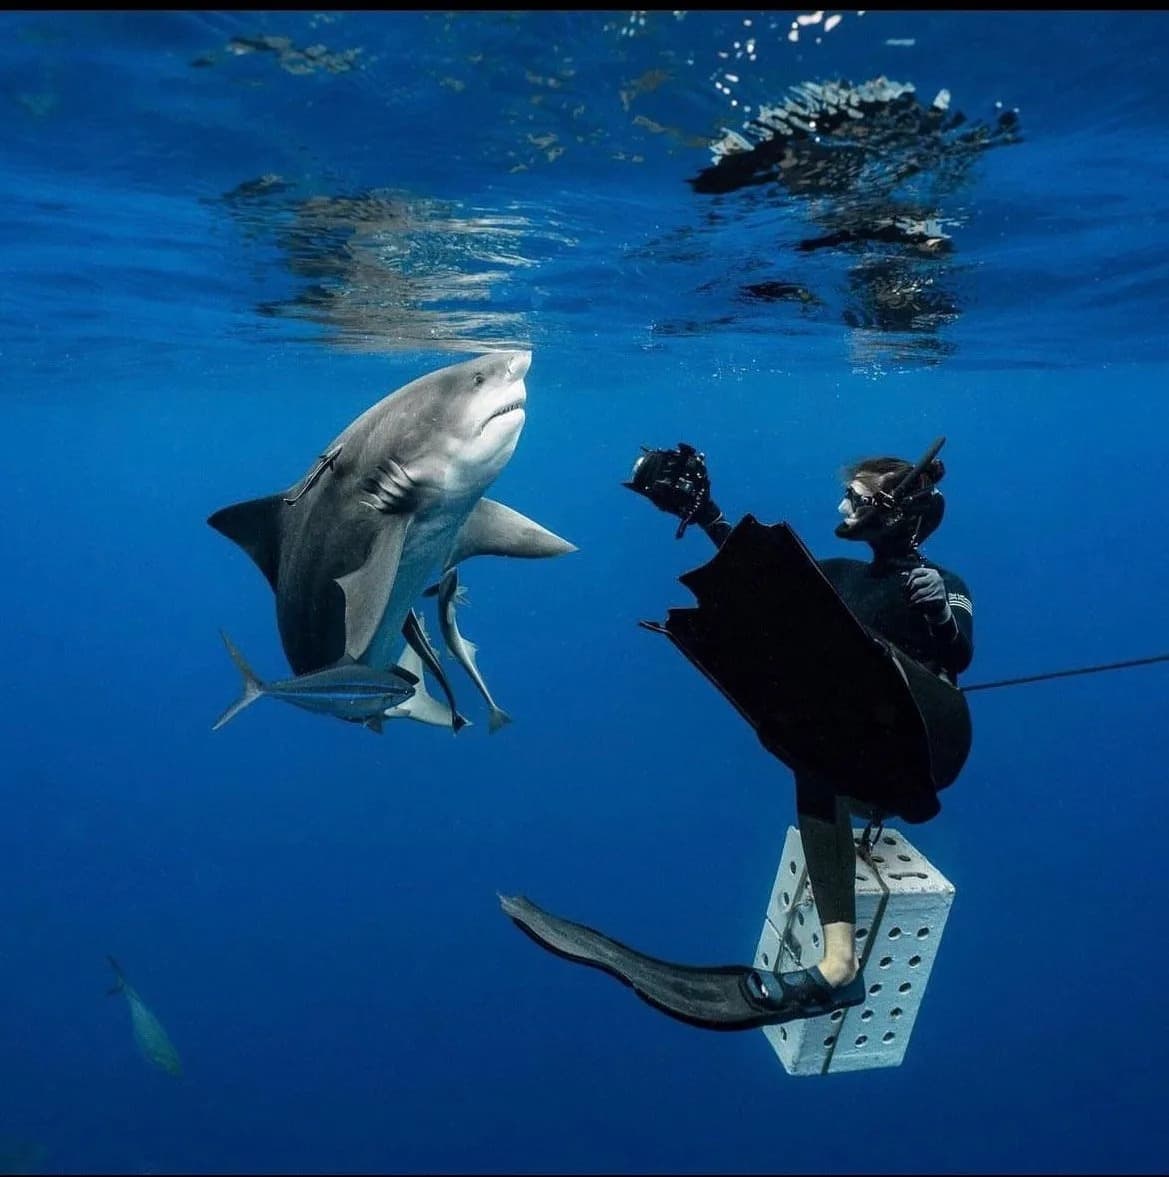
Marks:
<point>904,987</point>
<point>904,858</point>
<point>763,957</point>
<point>888,1036</point>
<point>837,1014</point>
<point>885,961</point>
<point>922,933</point>
<point>866,1015</point>
<point>792,866</point>
<point>860,878</point>
<point>786,899</point>
<point>909,874</point>
<point>896,1012</point>
<point>861,933</point>
<point>816,939</point>
<point>889,840</point>
<point>800,918</point>
<point>914,961</point>
<point>877,858</point>
<point>783,1033</point>
<point>862,1039</point>
<point>830,1040</point>
<point>894,933</point>
<point>875,988</point>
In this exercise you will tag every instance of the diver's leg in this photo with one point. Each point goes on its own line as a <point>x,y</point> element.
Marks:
<point>826,832</point>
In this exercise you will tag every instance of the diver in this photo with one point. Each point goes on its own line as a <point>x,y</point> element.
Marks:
<point>922,609</point>
<point>847,671</point>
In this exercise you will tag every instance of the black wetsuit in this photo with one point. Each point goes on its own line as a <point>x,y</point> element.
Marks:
<point>875,594</point>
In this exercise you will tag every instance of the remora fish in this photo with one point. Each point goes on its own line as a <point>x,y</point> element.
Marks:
<point>394,501</point>
<point>422,706</point>
<point>353,692</point>
<point>151,1038</point>
<point>450,594</point>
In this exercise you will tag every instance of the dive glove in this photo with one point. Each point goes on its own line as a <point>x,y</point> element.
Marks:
<point>926,592</point>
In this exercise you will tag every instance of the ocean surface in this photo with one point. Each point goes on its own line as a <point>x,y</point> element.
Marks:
<point>225,235</point>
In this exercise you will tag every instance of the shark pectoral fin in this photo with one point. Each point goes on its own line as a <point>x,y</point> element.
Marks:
<point>367,589</point>
<point>495,530</point>
<point>258,527</point>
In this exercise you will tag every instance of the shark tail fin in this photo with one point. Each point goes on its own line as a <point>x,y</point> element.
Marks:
<point>119,980</point>
<point>499,718</point>
<point>253,686</point>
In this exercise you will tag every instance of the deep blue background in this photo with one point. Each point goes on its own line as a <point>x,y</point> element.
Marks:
<point>312,912</point>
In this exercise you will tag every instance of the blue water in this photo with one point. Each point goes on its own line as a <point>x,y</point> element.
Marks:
<point>215,257</point>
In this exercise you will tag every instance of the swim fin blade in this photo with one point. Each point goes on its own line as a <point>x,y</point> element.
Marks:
<point>713,998</point>
<point>824,695</point>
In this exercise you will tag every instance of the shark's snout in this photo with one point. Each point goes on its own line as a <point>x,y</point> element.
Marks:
<point>518,363</point>
<point>509,395</point>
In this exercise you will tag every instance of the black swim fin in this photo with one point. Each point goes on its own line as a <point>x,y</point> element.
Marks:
<point>720,997</point>
<point>824,694</point>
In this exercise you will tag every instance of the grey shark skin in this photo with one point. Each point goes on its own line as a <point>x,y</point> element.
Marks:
<point>394,500</point>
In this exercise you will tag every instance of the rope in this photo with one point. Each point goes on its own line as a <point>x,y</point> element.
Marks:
<point>1011,682</point>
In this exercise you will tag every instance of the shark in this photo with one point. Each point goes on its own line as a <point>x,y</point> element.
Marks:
<point>392,503</point>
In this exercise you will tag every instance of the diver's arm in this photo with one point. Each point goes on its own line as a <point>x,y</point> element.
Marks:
<point>952,642</point>
<point>943,601</point>
<point>953,632</point>
<point>713,522</point>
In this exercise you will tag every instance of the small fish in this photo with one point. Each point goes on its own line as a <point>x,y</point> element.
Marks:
<point>449,595</point>
<point>151,1038</point>
<point>354,692</point>
<point>418,641</point>
<point>422,706</point>
<point>325,462</point>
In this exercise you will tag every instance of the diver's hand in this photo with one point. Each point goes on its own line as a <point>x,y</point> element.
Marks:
<point>926,592</point>
<point>675,481</point>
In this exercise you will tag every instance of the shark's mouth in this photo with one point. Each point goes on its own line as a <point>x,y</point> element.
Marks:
<point>510,407</point>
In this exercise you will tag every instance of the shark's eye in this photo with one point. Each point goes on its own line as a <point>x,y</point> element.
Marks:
<point>479,377</point>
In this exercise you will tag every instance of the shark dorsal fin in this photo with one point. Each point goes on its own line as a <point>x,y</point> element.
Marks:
<point>495,530</point>
<point>258,527</point>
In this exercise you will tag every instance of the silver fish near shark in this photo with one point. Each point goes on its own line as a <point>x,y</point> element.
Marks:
<point>393,502</point>
<point>152,1039</point>
<point>450,593</point>
<point>355,692</point>
<point>422,706</point>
